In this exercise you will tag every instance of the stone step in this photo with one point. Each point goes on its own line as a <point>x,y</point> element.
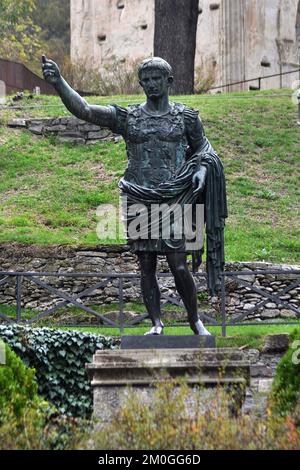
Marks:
<point>140,365</point>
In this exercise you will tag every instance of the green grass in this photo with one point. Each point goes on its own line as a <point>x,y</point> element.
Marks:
<point>50,192</point>
<point>249,336</point>
<point>236,336</point>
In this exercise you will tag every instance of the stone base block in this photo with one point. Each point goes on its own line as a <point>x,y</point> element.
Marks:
<point>167,342</point>
<point>115,373</point>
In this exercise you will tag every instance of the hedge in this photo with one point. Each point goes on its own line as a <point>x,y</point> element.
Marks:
<point>59,358</point>
<point>18,386</point>
<point>286,387</point>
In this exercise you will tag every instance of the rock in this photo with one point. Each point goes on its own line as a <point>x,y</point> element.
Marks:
<point>16,123</point>
<point>260,370</point>
<point>101,134</point>
<point>264,385</point>
<point>252,295</point>
<point>38,130</point>
<point>270,305</point>
<point>89,127</point>
<point>56,128</point>
<point>285,297</point>
<point>33,304</point>
<point>64,120</point>
<point>270,313</point>
<point>245,277</point>
<point>284,313</point>
<point>251,355</point>
<point>276,343</point>
<point>93,254</point>
<point>247,306</point>
<point>69,133</point>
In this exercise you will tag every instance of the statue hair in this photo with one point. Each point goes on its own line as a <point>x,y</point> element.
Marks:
<point>155,63</point>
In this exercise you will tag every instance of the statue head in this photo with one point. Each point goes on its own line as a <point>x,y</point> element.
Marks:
<point>155,76</point>
<point>155,63</point>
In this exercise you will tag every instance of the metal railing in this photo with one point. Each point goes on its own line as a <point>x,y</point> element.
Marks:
<point>106,278</point>
<point>256,79</point>
<point>18,77</point>
<point>268,296</point>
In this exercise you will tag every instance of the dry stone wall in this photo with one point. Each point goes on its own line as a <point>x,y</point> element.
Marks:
<point>118,259</point>
<point>66,129</point>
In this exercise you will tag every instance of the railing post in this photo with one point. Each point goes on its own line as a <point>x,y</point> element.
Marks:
<point>259,83</point>
<point>121,305</point>
<point>223,309</point>
<point>19,280</point>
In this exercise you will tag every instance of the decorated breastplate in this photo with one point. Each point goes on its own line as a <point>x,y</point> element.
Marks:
<point>156,145</point>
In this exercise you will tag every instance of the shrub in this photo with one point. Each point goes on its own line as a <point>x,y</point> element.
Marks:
<point>116,78</point>
<point>171,423</point>
<point>59,358</point>
<point>18,386</point>
<point>285,397</point>
<point>204,78</point>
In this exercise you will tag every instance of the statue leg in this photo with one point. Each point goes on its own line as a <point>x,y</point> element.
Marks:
<point>186,288</point>
<point>150,290</point>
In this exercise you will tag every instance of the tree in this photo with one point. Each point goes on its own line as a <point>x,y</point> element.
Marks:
<point>19,36</point>
<point>11,12</point>
<point>29,28</point>
<point>175,39</point>
<point>54,20</point>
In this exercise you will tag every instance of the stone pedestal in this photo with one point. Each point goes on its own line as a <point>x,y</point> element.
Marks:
<point>167,342</point>
<point>115,372</point>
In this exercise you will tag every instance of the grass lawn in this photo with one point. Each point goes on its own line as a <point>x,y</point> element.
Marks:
<point>50,192</point>
<point>237,336</point>
<point>250,336</point>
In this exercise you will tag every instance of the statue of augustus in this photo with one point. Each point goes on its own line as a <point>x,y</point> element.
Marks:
<point>170,162</point>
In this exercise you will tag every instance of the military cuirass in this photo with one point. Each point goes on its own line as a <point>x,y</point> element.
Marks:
<point>156,145</point>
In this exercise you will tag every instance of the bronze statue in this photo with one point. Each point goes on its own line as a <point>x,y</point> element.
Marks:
<point>170,161</point>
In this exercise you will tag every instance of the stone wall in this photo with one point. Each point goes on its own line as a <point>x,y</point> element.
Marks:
<point>262,372</point>
<point>236,39</point>
<point>66,129</point>
<point>117,259</point>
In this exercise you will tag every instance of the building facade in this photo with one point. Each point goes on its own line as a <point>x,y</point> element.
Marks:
<point>236,39</point>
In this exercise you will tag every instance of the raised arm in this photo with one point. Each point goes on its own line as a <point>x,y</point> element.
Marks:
<point>100,115</point>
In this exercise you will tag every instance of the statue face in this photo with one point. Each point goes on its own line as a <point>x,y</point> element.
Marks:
<point>155,83</point>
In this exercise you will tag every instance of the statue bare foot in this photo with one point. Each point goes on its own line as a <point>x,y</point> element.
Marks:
<point>199,329</point>
<point>156,330</point>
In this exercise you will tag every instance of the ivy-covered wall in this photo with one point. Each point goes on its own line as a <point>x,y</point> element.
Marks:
<point>59,358</point>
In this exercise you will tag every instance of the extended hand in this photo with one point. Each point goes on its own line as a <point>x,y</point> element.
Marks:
<point>50,71</point>
<point>199,179</point>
